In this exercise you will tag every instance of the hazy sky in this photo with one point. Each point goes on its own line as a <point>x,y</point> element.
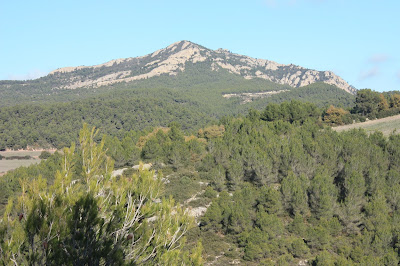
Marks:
<point>357,39</point>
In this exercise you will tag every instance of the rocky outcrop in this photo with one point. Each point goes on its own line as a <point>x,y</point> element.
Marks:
<point>250,96</point>
<point>292,75</point>
<point>174,59</point>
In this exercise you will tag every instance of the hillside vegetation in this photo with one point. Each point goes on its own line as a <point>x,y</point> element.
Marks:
<point>125,109</point>
<point>266,182</point>
<point>88,217</point>
<point>283,188</point>
<point>193,98</point>
<point>183,82</point>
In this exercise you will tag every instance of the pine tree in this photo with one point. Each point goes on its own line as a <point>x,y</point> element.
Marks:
<point>322,195</point>
<point>294,192</point>
<point>89,217</point>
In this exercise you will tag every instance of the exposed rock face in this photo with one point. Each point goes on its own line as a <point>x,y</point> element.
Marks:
<point>174,58</point>
<point>249,96</point>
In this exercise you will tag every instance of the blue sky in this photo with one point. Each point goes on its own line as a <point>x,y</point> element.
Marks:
<point>358,40</point>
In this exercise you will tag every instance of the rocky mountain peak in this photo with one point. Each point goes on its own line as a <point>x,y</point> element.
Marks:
<point>172,60</point>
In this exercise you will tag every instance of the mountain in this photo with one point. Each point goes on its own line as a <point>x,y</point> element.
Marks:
<point>174,59</point>
<point>272,187</point>
<point>183,66</point>
<point>184,83</point>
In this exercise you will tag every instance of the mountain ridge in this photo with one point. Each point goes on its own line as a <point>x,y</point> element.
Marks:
<point>173,59</point>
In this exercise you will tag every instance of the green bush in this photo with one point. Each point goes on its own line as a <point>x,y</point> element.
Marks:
<point>285,260</point>
<point>299,249</point>
<point>44,155</point>
<point>210,193</point>
<point>181,188</point>
<point>253,252</point>
<point>323,259</point>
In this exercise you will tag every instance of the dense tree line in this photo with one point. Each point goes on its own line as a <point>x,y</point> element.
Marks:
<point>56,125</point>
<point>300,192</point>
<point>368,104</point>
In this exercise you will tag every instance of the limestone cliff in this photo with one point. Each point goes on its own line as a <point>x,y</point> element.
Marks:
<point>173,60</point>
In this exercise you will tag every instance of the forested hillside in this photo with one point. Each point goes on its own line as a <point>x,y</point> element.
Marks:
<point>183,82</point>
<point>280,186</point>
<point>190,99</point>
<point>176,64</point>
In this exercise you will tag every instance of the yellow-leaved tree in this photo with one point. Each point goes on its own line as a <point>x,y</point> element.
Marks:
<point>89,217</point>
<point>334,115</point>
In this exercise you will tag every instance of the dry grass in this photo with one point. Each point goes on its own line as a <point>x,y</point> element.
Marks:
<point>7,165</point>
<point>387,125</point>
<point>20,153</point>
